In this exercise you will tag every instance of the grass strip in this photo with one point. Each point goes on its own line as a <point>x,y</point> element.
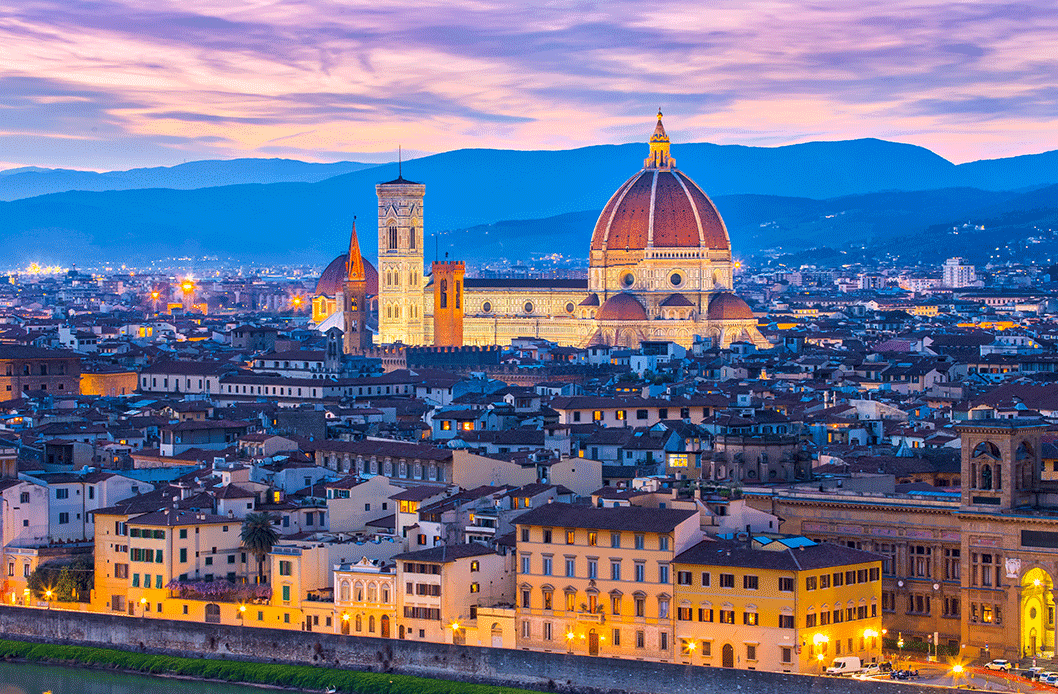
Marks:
<point>274,674</point>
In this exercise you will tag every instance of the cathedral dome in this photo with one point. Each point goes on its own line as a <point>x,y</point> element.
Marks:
<point>332,279</point>
<point>659,207</point>
<point>727,306</point>
<point>621,307</point>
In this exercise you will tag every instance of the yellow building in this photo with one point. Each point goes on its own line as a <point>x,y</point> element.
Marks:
<point>138,555</point>
<point>441,589</point>
<point>365,598</point>
<point>598,581</point>
<point>109,383</point>
<point>780,604</point>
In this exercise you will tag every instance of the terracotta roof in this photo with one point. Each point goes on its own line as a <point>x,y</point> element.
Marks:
<point>622,306</point>
<point>627,518</point>
<point>674,300</point>
<point>445,553</point>
<point>333,277</point>
<point>592,300</point>
<point>727,306</point>
<point>683,215</point>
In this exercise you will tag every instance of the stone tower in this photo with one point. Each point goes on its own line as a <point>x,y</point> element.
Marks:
<point>354,300</point>
<point>448,303</point>
<point>1000,463</point>
<point>400,262</point>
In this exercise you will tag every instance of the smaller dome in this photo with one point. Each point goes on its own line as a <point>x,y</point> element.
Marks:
<point>676,300</point>
<point>592,300</point>
<point>621,307</point>
<point>333,278</point>
<point>727,306</point>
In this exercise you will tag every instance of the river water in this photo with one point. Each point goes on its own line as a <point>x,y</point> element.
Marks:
<point>26,678</point>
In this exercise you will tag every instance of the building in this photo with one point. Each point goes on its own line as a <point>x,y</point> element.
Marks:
<point>598,581</point>
<point>660,269</point>
<point>36,370</point>
<point>957,274</point>
<point>443,587</point>
<point>976,567</point>
<point>781,604</point>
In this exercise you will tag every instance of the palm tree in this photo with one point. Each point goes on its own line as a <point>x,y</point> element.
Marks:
<point>259,537</point>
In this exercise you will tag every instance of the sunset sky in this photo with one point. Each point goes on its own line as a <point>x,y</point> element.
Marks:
<point>112,84</point>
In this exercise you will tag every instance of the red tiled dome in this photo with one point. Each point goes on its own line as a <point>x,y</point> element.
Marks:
<point>621,307</point>
<point>727,306</point>
<point>683,215</point>
<point>332,279</point>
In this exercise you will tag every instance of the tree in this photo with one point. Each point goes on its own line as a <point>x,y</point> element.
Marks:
<point>259,537</point>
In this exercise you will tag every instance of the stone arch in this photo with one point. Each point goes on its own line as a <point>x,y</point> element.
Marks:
<point>1036,612</point>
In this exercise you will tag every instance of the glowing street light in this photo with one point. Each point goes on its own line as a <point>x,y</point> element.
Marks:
<point>143,606</point>
<point>956,669</point>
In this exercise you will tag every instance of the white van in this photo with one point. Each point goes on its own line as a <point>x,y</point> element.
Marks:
<point>848,665</point>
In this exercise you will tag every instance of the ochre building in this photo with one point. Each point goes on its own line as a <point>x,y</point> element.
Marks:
<point>976,569</point>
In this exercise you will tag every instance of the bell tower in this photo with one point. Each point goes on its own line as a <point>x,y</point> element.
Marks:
<point>354,300</point>
<point>400,262</point>
<point>1000,463</point>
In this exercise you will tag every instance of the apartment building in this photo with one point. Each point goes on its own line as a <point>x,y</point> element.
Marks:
<point>440,590</point>
<point>782,604</point>
<point>599,581</point>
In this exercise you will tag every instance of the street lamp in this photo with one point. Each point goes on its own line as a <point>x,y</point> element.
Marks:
<point>143,607</point>
<point>569,641</point>
<point>47,596</point>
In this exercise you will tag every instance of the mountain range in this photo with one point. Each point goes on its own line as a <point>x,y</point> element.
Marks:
<point>482,204</point>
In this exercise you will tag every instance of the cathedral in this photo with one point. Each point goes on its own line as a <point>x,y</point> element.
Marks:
<point>660,268</point>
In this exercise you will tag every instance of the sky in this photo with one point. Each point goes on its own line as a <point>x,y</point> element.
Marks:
<point>114,84</point>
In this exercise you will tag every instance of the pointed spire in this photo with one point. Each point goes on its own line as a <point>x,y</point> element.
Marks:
<point>354,262</point>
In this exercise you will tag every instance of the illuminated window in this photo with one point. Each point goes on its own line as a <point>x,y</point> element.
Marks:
<point>597,415</point>
<point>678,460</point>
<point>446,425</point>
<point>467,426</point>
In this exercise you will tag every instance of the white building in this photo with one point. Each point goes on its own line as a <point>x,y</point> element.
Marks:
<point>957,274</point>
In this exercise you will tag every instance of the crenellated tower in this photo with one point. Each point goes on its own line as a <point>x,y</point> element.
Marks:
<point>448,303</point>
<point>400,262</point>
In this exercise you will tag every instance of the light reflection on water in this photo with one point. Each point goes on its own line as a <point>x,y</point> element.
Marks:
<point>27,678</point>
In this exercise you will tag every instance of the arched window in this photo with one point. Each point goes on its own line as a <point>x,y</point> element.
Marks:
<point>343,591</point>
<point>372,592</point>
<point>359,623</point>
<point>411,238</point>
<point>392,246</point>
<point>444,293</point>
<point>371,624</point>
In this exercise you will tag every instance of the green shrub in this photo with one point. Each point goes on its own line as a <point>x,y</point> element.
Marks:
<point>298,676</point>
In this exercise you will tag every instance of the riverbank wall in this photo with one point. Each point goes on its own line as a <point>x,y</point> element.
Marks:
<point>516,668</point>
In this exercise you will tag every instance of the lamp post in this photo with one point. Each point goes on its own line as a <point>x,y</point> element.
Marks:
<point>47,596</point>
<point>569,641</point>
<point>143,607</point>
<point>956,670</point>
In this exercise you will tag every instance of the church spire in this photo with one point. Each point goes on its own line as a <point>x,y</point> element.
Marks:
<point>354,263</point>
<point>659,149</point>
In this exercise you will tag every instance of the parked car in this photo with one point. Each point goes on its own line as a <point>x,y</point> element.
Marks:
<point>1000,664</point>
<point>847,665</point>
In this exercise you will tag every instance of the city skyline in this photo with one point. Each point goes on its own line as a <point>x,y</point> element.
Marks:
<point>112,85</point>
